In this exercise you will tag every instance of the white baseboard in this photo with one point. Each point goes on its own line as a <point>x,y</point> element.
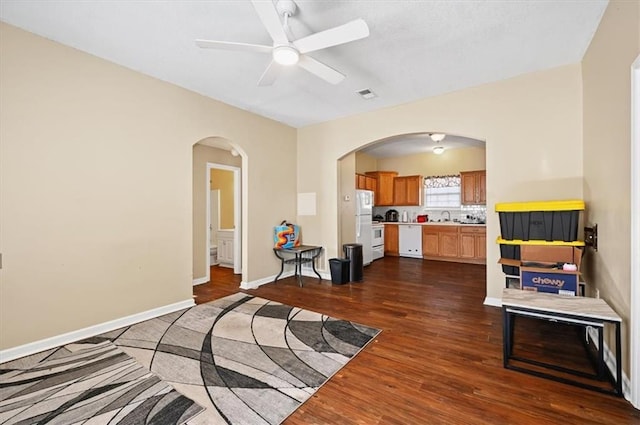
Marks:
<point>67,338</point>
<point>610,361</point>
<point>494,302</point>
<point>200,280</point>
<point>269,279</point>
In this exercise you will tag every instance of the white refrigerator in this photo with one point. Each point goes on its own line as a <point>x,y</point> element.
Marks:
<point>364,211</point>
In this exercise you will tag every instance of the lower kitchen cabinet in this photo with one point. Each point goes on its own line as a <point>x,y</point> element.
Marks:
<point>462,244</point>
<point>391,240</point>
<point>430,241</point>
<point>448,242</point>
<point>473,243</point>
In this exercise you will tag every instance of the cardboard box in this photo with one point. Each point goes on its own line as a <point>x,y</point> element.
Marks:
<point>541,268</point>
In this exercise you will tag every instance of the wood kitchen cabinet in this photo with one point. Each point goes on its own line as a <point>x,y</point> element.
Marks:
<point>473,189</point>
<point>384,187</point>
<point>407,191</point>
<point>473,243</point>
<point>391,240</point>
<point>365,182</point>
<point>430,241</point>
<point>462,244</point>
<point>448,242</point>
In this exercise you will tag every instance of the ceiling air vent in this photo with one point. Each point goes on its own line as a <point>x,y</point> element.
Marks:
<point>366,94</point>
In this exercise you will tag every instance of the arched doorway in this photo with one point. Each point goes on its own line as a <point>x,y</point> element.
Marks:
<point>216,156</point>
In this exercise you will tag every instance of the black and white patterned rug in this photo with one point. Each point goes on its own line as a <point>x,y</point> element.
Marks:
<point>247,360</point>
<point>99,384</point>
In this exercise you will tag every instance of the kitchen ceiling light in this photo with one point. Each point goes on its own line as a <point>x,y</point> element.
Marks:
<point>285,55</point>
<point>438,150</point>
<point>437,137</point>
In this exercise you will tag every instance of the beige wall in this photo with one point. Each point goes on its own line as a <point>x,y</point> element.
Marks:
<point>96,188</point>
<point>223,181</point>
<point>201,156</point>
<point>347,207</point>
<point>607,149</point>
<point>533,131</point>
<point>428,164</point>
<point>365,163</point>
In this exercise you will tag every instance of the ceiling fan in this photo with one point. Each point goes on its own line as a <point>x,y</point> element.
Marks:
<point>285,52</point>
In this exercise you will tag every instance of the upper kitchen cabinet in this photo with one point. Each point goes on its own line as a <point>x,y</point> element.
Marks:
<point>384,187</point>
<point>407,191</point>
<point>365,182</point>
<point>473,187</point>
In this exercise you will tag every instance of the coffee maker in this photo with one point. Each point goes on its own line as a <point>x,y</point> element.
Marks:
<point>391,216</point>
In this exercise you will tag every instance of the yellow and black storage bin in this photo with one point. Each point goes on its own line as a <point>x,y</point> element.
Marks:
<point>537,223</point>
<point>540,220</point>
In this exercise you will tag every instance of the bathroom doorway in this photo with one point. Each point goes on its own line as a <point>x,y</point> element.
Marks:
<point>224,216</point>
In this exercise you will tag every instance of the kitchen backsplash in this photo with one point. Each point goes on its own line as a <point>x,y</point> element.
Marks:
<point>465,212</point>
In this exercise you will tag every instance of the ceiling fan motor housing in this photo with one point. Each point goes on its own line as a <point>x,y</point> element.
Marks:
<point>286,7</point>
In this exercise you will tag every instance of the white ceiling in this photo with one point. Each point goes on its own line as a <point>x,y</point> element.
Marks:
<point>418,143</point>
<point>416,49</point>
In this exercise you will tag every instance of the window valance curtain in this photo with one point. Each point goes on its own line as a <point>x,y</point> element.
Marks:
<point>433,182</point>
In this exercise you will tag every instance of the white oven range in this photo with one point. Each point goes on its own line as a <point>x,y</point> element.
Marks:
<point>377,241</point>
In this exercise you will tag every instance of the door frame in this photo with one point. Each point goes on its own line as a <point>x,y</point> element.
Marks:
<point>634,322</point>
<point>237,215</point>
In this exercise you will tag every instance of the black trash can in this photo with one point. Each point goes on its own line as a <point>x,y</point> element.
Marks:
<point>353,251</point>
<point>339,270</point>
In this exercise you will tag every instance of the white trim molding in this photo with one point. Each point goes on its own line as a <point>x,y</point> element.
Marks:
<point>634,321</point>
<point>67,338</point>
<point>269,279</point>
<point>201,280</point>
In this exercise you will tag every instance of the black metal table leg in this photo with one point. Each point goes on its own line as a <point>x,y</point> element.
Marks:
<point>506,336</point>
<point>600,352</point>
<point>281,268</point>
<point>618,360</point>
<point>299,268</point>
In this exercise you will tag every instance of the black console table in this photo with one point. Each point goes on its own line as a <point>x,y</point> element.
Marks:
<point>579,311</point>
<point>298,256</point>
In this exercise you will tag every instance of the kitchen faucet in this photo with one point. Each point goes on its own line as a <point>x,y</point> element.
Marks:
<point>448,214</point>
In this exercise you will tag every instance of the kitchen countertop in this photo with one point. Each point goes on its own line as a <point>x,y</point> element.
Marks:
<point>435,223</point>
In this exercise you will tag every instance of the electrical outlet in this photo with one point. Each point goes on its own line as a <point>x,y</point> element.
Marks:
<point>597,293</point>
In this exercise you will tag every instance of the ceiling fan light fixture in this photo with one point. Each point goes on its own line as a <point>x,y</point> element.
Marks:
<point>438,150</point>
<point>437,137</point>
<point>286,55</point>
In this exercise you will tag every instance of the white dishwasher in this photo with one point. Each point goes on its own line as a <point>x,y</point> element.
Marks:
<point>410,240</point>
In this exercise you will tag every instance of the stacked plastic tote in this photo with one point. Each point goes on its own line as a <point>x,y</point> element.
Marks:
<point>539,244</point>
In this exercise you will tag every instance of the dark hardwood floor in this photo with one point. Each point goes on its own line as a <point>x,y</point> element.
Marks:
<point>438,359</point>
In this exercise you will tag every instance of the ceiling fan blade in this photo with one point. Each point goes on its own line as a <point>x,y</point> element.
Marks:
<point>270,74</point>
<point>323,71</point>
<point>351,31</point>
<point>228,45</point>
<point>271,20</point>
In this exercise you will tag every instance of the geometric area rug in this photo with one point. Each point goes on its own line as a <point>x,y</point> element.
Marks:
<point>99,384</point>
<point>246,360</point>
